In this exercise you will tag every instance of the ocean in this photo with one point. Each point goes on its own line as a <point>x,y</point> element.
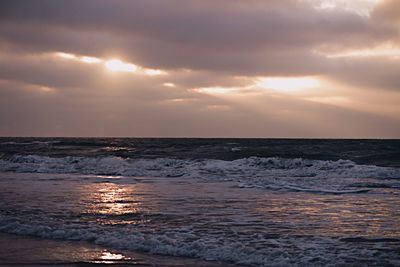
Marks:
<point>245,202</point>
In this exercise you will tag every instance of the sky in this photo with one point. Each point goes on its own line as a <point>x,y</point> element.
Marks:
<point>200,68</point>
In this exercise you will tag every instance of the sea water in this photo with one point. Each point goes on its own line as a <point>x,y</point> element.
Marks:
<point>255,202</point>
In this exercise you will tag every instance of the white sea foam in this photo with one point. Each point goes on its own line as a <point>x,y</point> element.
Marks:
<point>337,192</point>
<point>235,229</point>
<point>270,173</point>
<point>299,251</point>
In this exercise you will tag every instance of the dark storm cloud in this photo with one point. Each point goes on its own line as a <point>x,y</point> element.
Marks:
<point>217,35</point>
<point>46,71</point>
<point>202,23</point>
<point>77,78</point>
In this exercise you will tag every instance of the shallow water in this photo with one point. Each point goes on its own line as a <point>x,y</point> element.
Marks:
<point>17,250</point>
<point>256,211</point>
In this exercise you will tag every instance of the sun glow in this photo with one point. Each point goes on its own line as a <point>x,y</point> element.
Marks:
<point>118,65</point>
<point>385,50</point>
<point>153,72</point>
<point>169,84</point>
<point>114,64</point>
<point>285,84</point>
<point>65,55</point>
<point>84,59</point>
<point>216,90</point>
<point>360,7</point>
<point>91,60</point>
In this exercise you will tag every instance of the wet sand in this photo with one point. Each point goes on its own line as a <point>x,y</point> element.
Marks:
<point>30,251</point>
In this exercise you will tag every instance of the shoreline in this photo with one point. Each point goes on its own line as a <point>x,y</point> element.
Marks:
<point>16,250</point>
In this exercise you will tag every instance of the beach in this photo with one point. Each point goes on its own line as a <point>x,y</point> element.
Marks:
<point>18,250</point>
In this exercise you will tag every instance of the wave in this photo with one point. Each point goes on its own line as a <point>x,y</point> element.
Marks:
<point>30,143</point>
<point>168,167</point>
<point>315,176</point>
<point>271,251</point>
<point>335,192</point>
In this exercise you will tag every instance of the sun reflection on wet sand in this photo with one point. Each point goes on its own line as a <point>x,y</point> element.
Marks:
<point>109,203</point>
<point>149,213</point>
<point>107,257</point>
<point>328,215</point>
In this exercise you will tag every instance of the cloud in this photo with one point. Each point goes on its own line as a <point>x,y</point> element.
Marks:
<point>388,11</point>
<point>56,114</point>
<point>217,35</point>
<point>368,73</point>
<point>198,44</point>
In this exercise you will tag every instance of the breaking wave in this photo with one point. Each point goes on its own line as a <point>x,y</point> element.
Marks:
<point>271,251</point>
<point>315,176</point>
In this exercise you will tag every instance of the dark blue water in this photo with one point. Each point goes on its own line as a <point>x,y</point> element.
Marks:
<point>361,151</point>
